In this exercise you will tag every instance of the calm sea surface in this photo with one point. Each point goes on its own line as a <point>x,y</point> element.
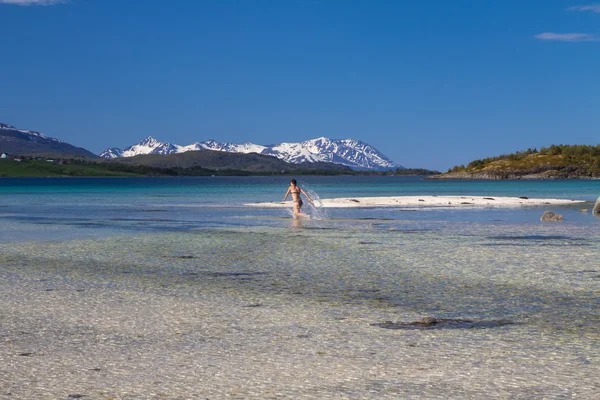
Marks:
<point>30,209</point>
<point>535,287</point>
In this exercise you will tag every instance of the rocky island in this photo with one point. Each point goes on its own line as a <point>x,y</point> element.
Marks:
<point>554,162</point>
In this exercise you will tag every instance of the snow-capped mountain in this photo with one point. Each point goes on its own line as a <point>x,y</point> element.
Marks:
<point>21,141</point>
<point>232,147</point>
<point>349,152</point>
<point>32,136</point>
<point>146,146</point>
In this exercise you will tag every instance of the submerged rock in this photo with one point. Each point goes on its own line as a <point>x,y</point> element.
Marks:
<point>550,216</point>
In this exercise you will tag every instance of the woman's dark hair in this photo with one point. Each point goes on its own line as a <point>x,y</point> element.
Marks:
<point>293,181</point>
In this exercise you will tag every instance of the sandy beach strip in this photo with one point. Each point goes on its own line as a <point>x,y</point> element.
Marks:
<point>427,201</point>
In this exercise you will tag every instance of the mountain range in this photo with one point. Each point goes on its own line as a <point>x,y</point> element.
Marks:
<point>349,152</point>
<point>221,161</point>
<point>316,152</point>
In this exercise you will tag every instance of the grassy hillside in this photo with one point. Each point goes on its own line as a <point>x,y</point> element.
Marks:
<point>219,160</point>
<point>554,162</point>
<point>84,167</point>
<point>33,168</point>
<point>201,163</point>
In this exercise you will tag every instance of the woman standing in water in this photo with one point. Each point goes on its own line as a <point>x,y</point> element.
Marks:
<point>296,191</point>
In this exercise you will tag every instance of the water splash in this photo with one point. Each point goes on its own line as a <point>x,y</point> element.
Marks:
<point>596,209</point>
<point>316,210</point>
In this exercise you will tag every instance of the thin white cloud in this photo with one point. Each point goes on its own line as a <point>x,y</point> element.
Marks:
<point>567,37</point>
<point>592,7</point>
<point>32,2</point>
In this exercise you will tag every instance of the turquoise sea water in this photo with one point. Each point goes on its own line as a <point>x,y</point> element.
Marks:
<point>540,280</point>
<point>105,206</point>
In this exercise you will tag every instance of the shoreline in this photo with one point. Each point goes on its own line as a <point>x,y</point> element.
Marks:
<point>426,201</point>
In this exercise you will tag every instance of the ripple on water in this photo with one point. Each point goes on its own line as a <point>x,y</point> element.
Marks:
<point>315,296</point>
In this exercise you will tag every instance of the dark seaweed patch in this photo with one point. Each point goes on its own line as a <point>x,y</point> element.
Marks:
<point>233,274</point>
<point>443,323</point>
<point>540,240</point>
<point>400,230</point>
<point>237,274</point>
<point>534,237</point>
<point>540,244</point>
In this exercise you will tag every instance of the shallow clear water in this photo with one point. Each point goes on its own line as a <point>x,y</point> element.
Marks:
<point>32,209</point>
<point>182,237</point>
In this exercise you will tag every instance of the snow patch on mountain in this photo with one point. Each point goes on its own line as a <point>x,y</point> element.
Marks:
<point>349,152</point>
<point>212,144</point>
<point>30,135</point>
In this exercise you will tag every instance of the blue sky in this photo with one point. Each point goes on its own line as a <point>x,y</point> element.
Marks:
<point>431,84</point>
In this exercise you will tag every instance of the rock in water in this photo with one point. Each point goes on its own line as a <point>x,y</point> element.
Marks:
<point>550,216</point>
<point>596,209</point>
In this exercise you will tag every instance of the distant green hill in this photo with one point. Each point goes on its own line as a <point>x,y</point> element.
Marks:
<point>221,160</point>
<point>172,165</point>
<point>36,168</point>
<point>192,163</point>
<point>554,162</point>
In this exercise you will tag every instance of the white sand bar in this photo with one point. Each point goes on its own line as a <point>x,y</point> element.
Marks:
<point>427,201</point>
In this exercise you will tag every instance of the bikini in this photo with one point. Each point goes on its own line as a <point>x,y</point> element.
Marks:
<point>299,201</point>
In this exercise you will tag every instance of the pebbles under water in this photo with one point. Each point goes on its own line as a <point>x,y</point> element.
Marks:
<point>297,313</point>
<point>147,292</point>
